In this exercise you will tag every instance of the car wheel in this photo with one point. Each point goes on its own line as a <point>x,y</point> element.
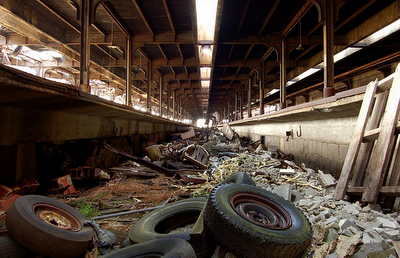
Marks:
<point>239,178</point>
<point>253,222</point>
<point>165,248</point>
<point>174,220</point>
<point>48,227</point>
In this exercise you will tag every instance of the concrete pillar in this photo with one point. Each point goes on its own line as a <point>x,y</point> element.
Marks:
<point>128,99</point>
<point>85,46</point>
<point>149,82</point>
<point>160,92</point>
<point>282,92</point>
<point>249,97</point>
<point>241,100</point>
<point>328,20</point>
<point>261,84</point>
<point>173,104</point>
<point>236,104</point>
<point>168,99</point>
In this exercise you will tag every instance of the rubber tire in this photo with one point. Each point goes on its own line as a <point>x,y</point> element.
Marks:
<point>11,248</point>
<point>43,238</point>
<point>159,223</point>
<point>166,248</point>
<point>239,178</point>
<point>246,239</point>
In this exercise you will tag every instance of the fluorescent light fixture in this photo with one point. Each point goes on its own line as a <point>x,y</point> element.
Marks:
<point>380,34</point>
<point>205,84</point>
<point>205,73</point>
<point>205,54</point>
<point>345,53</point>
<point>206,14</point>
<point>301,76</point>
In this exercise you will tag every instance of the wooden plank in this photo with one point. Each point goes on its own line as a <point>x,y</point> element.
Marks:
<point>387,191</point>
<point>356,140</point>
<point>373,134</point>
<point>365,150</point>
<point>393,177</point>
<point>378,164</point>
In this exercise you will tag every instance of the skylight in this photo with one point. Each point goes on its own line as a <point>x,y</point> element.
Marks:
<point>206,12</point>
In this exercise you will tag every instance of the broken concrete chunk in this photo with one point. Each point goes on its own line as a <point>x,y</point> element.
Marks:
<point>387,223</point>
<point>393,234</point>
<point>353,209</point>
<point>311,191</point>
<point>350,231</point>
<point>332,235</point>
<point>325,250</point>
<point>285,191</point>
<point>347,245</point>
<point>326,180</point>
<point>368,248</point>
<point>345,223</point>
<point>383,254</point>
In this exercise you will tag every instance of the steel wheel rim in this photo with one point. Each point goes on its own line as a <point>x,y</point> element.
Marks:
<point>261,211</point>
<point>56,217</point>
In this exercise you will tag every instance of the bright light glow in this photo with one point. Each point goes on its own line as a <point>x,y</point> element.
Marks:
<point>345,53</point>
<point>205,54</point>
<point>206,14</point>
<point>205,73</point>
<point>205,84</point>
<point>201,122</point>
<point>380,34</point>
<point>24,69</point>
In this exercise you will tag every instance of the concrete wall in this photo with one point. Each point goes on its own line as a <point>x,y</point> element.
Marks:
<point>319,144</point>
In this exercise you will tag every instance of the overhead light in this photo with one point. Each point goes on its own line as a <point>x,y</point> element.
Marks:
<point>205,73</point>
<point>205,54</point>
<point>206,14</point>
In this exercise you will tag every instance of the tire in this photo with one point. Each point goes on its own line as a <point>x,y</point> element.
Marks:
<point>11,248</point>
<point>48,227</point>
<point>239,178</point>
<point>168,221</point>
<point>241,218</point>
<point>165,248</point>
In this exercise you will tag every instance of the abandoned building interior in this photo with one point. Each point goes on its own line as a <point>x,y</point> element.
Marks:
<point>314,80</point>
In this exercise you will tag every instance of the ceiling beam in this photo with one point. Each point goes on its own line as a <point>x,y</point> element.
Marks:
<point>146,22</point>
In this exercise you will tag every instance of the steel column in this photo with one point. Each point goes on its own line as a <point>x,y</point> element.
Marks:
<point>160,92</point>
<point>128,54</point>
<point>149,82</point>
<point>282,92</point>
<point>85,46</point>
<point>328,20</point>
<point>249,98</point>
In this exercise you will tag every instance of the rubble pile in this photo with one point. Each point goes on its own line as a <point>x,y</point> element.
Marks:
<point>341,228</point>
<point>191,167</point>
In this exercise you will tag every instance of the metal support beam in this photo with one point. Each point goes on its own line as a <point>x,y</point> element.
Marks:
<point>236,104</point>
<point>249,98</point>
<point>168,99</point>
<point>128,70</point>
<point>85,46</point>
<point>160,92</point>
<point>328,20</point>
<point>173,104</point>
<point>241,100</point>
<point>282,92</point>
<point>261,86</point>
<point>149,82</point>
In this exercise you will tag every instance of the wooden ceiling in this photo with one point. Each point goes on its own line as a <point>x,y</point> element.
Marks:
<point>248,33</point>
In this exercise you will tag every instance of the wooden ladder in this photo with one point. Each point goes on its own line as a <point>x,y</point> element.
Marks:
<point>372,164</point>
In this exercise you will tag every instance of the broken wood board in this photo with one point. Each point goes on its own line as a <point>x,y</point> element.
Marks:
<point>380,156</point>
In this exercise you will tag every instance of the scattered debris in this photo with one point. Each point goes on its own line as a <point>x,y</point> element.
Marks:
<point>194,166</point>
